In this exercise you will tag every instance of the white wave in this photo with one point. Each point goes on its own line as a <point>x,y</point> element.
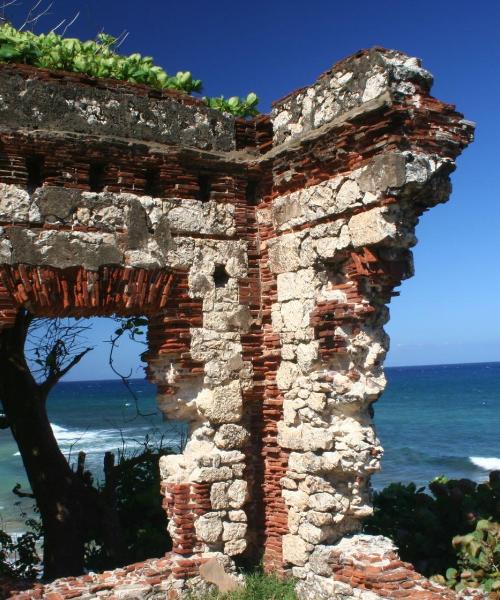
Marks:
<point>488,463</point>
<point>98,441</point>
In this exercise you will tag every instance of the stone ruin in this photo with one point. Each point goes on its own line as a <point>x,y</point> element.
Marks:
<point>264,253</point>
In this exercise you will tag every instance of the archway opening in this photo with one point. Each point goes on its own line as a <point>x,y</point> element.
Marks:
<point>104,415</point>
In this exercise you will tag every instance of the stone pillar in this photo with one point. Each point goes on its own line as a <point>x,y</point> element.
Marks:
<point>198,365</point>
<point>357,158</point>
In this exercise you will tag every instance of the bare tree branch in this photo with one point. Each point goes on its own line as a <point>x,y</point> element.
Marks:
<point>73,20</point>
<point>53,344</point>
<point>120,39</point>
<point>68,25</point>
<point>18,492</point>
<point>32,9</point>
<point>32,17</point>
<point>56,374</point>
<point>60,24</point>
<point>74,362</point>
<point>131,328</point>
<point>5,5</point>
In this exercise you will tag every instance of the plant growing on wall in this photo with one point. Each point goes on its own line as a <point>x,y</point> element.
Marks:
<point>240,107</point>
<point>99,58</point>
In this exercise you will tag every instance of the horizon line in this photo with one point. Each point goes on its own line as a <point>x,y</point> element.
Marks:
<point>482,362</point>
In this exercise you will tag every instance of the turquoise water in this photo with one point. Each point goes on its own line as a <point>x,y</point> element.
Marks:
<point>442,419</point>
<point>431,420</point>
<point>93,417</point>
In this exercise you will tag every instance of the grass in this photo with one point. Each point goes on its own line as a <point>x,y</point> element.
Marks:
<point>258,587</point>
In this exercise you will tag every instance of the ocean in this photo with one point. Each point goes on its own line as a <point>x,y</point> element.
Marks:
<point>431,420</point>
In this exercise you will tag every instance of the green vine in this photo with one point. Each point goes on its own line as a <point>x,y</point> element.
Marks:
<point>99,58</point>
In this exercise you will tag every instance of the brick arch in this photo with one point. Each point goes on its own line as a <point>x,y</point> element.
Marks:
<point>161,295</point>
<point>76,291</point>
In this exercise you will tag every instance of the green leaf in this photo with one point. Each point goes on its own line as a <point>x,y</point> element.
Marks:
<point>9,51</point>
<point>98,58</point>
<point>252,99</point>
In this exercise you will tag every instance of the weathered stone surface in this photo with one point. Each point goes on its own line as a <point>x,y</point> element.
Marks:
<point>223,404</point>
<point>384,172</point>
<point>235,547</point>
<point>361,83</point>
<point>30,103</point>
<point>238,516</point>
<point>371,227</point>
<point>234,531</point>
<point>305,437</point>
<point>228,495</point>
<point>209,528</point>
<point>322,502</point>
<point>15,204</point>
<point>211,474</point>
<point>237,493</point>
<point>264,254</point>
<point>231,436</point>
<point>213,572</point>
<point>284,254</point>
<point>295,550</point>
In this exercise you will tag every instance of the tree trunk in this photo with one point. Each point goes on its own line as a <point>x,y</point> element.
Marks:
<point>62,498</point>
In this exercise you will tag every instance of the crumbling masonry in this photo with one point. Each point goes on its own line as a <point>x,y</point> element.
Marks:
<point>264,253</point>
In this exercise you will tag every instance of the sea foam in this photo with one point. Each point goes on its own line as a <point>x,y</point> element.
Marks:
<point>98,441</point>
<point>93,441</point>
<point>488,463</point>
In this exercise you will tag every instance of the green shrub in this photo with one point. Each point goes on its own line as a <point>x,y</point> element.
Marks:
<point>19,557</point>
<point>132,492</point>
<point>478,560</point>
<point>240,107</point>
<point>258,587</point>
<point>423,524</point>
<point>95,58</point>
<point>99,59</point>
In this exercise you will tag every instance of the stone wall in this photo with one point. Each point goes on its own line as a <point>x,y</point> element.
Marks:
<point>39,99</point>
<point>264,254</point>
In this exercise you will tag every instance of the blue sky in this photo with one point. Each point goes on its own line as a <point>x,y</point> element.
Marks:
<point>449,311</point>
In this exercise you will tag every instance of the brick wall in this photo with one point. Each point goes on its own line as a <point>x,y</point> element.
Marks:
<point>264,253</point>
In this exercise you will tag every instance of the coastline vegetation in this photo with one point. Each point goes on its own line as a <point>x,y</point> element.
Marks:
<point>99,58</point>
<point>450,532</point>
<point>130,491</point>
<point>257,586</point>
